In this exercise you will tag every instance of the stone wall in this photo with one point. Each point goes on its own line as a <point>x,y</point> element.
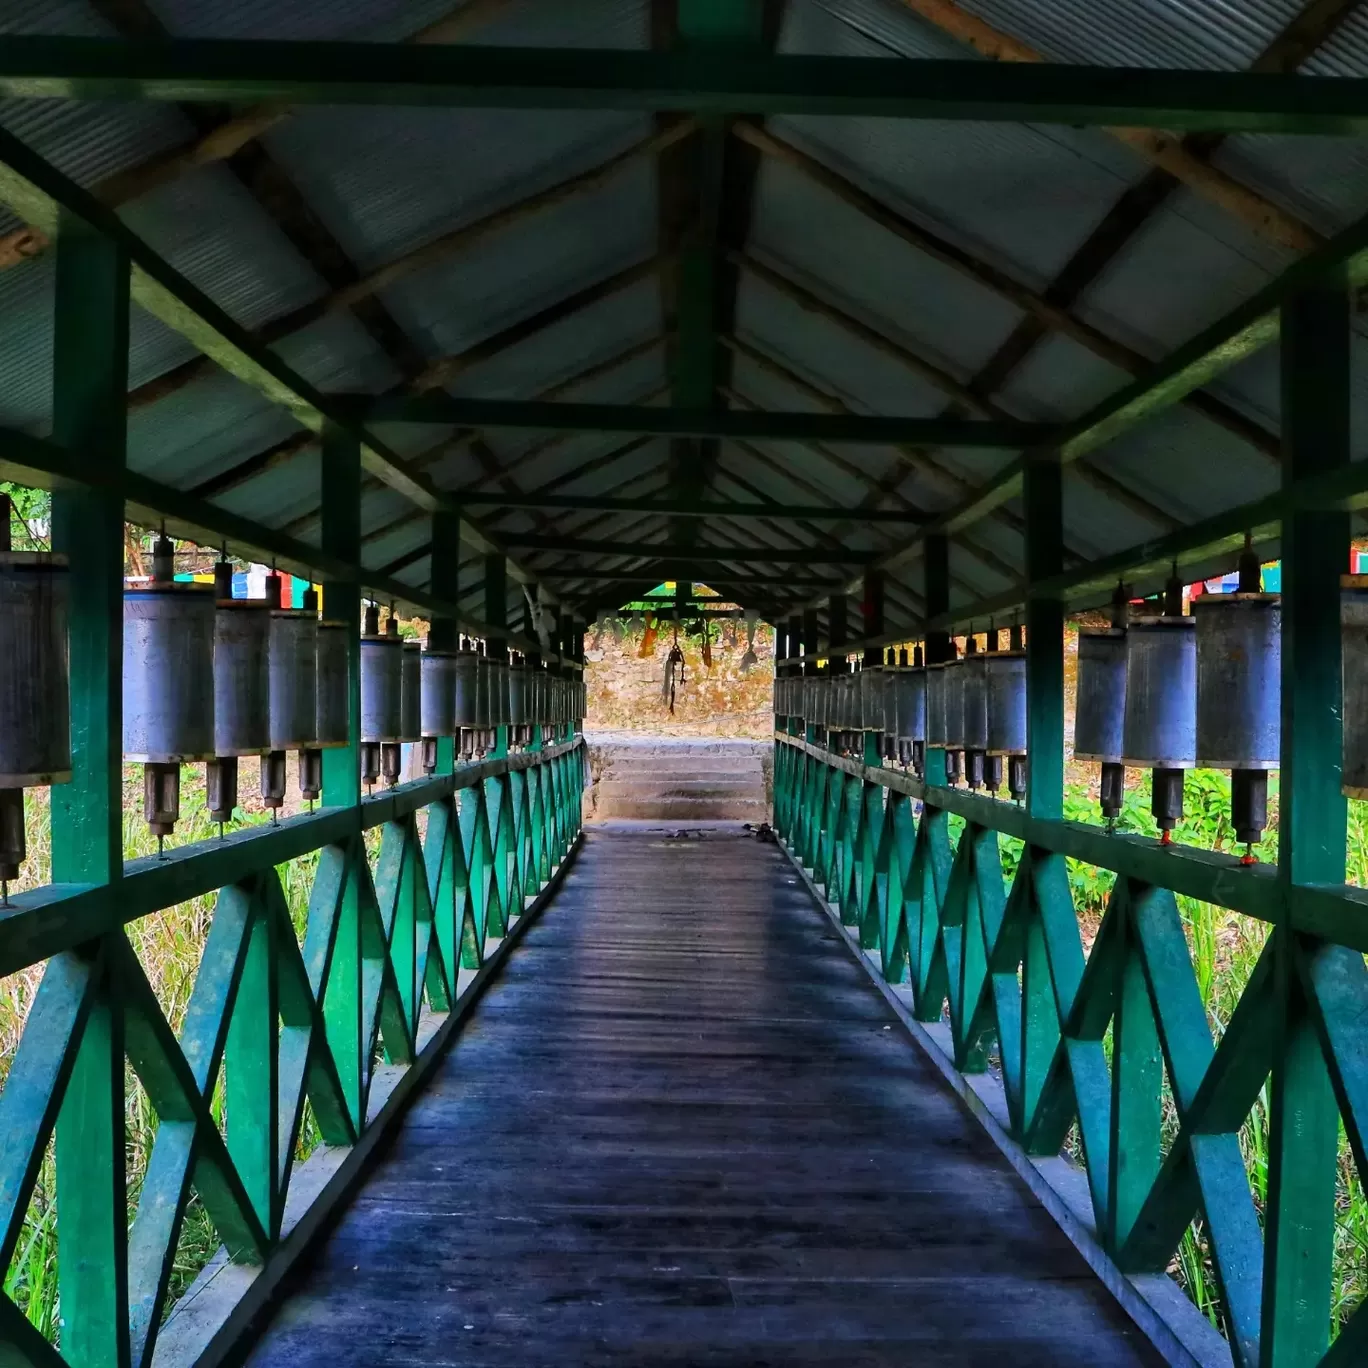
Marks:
<point>624,687</point>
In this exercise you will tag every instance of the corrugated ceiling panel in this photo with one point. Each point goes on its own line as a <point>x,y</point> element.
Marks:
<point>532,266</point>
<point>26,295</point>
<point>1176,278</point>
<point>1346,53</point>
<point>215,234</point>
<point>1187,466</point>
<point>72,18</point>
<point>207,427</point>
<point>820,350</point>
<point>1022,195</point>
<point>337,353</point>
<point>599,332</point>
<point>1221,34</point>
<point>843,257</point>
<point>587,23</point>
<point>282,496</point>
<point>387,181</point>
<point>1323,181</point>
<point>1058,380</point>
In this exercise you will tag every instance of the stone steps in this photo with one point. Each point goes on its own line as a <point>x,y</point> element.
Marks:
<point>677,779</point>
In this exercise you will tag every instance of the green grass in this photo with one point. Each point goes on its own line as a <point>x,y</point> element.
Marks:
<point>168,945</point>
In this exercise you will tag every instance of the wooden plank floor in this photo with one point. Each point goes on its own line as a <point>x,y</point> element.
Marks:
<point>682,1129</point>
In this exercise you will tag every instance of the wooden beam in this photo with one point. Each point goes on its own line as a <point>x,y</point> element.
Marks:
<point>881,430</point>
<point>461,76</point>
<point>568,546</point>
<point>680,508</point>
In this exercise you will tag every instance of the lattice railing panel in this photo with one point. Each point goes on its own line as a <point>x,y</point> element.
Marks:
<point>274,1024</point>
<point>1095,1038</point>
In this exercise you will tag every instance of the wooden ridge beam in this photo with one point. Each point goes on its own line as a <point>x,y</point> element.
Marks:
<point>455,76</point>
<point>687,509</point>
<point>686,555</point>
<point>532,415</point>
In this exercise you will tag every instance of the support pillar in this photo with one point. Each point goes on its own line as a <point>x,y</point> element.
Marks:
<point>90,387</point>
<point>341,530</point>
<point>936,573</point>
<point>444,634</point>
<point>1304,1122</point>
<point>1044,519</point>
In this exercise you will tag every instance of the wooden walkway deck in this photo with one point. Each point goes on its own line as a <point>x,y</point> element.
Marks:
<point>683,1130</point>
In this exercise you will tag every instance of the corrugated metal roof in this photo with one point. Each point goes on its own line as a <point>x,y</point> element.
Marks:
<point>386,181</point>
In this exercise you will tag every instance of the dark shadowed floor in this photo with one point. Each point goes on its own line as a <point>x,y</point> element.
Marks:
<point>683,1129</point>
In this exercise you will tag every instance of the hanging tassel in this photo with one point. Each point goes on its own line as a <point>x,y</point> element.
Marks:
<point>750,660</point>
<point>673,678</point>
<point>648,639</point>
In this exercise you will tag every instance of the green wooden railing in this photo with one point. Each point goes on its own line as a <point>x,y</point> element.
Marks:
<point>393,941</point>
<point>1089,1039</point>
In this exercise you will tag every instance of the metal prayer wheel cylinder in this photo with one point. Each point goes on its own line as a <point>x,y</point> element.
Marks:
<point>35,688</point>
<point>935,706</point>
<point>1239,693</point>
<point>382,667</point>
<point>973,679</point>
<point>35,707</point>
<point>410,692</point>
<point>293,679</point>
<point>498,692</point>
<point>954,705</point>
<point>437,700</point>
<point>241,677</point>
<point>1100,693</point>
<point>873,691</point>
<point>892,674</point>
<point>242,695</point>
<point>1354,644</point>
<point>333,712</point>
<point>482,694</point>
<point>1005,678</point>
<point>168,690</point>
<point>1100,710</point>
<point>517,697</point>
<point>1160,731</point>
<point>1239,698</point>
<point>466,692</point>
<point>168,673</point>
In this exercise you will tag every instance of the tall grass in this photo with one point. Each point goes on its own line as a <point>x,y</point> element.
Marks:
<point>168,944</point>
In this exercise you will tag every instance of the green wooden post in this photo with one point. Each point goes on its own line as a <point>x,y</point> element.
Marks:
<point>936,570</point>
<point>90,386</point>
<point>341,532</point>
<point>341,535</point>
<point>496,615</point>
<point>1300,1212</point>
<point>446,584</point>
<point>1044,640</point>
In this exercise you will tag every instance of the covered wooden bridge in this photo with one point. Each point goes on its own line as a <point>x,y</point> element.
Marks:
<point>894,320</point>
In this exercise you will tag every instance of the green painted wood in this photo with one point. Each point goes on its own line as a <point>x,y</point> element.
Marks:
<point>340,526</point>
<point>692,78</point>
<point>251,1073</point>
<point>93,1201</point>
<point>1304,1121</point>
<point>90,383</point>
